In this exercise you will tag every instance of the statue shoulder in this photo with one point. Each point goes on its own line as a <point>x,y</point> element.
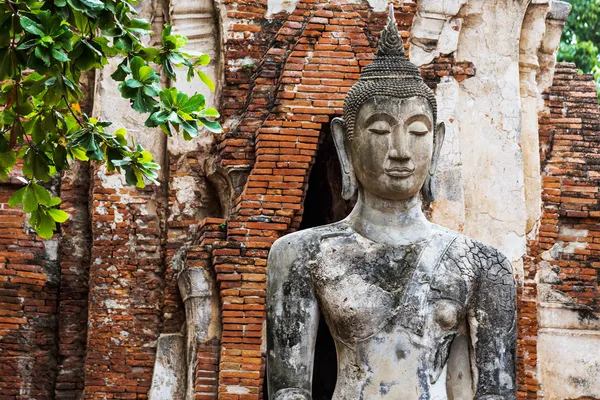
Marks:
<point>475,258</point>
<point>487,262</point>
<point>305,243</point>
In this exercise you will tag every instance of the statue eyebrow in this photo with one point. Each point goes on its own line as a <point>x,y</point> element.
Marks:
<point>393,121</point>
<point>382,115</point>
<point>419,117</point>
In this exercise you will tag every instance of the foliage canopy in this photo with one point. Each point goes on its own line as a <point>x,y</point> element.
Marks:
<point>580,42</point>
<point>45,46</point>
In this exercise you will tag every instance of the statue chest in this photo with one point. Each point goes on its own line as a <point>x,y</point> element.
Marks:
<point>365,288</point>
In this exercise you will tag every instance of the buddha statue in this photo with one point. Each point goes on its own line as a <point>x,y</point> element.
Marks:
<point>395,289</point>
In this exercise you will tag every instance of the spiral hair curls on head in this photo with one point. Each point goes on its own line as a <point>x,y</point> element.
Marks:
<point>390,74</point>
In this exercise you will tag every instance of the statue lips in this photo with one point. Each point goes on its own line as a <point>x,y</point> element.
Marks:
<point>399,172</point>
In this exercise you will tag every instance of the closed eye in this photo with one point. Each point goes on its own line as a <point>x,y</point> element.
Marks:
<point>379,131</point>
<point>418,128</point>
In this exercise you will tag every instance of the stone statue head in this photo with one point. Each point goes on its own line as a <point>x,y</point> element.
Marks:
<point>388,140</point>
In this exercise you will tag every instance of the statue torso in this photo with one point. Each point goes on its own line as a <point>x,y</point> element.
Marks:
<point>392,310</point>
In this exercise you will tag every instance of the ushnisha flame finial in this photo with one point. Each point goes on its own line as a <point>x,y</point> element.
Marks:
<point>390,42</point>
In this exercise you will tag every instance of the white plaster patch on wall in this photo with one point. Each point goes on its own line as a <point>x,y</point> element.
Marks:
<point>111,181</point>
<point>237,389</point>
<point>112,304</point>
<point>168,380</point>
<point>566,231</point>
<point>277,6</point>
<point>185,192</point>
<point>449,36</point>
<point>559,247</point>
<point>436,30</point>
<point>236,64</point>
<point>51,249</point>
<point>378,5</point>
<point>569,368</point>
<point>572,246</point>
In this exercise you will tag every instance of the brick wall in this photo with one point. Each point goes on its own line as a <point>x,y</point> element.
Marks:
<point>565,251</point>
<point>29,281</point>
<point>74,252</point>
<point>569,238</point>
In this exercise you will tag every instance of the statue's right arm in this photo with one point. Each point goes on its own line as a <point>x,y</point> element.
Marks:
<point>292,321</point>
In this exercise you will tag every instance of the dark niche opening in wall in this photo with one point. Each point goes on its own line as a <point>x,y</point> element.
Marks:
<point>324,205</point>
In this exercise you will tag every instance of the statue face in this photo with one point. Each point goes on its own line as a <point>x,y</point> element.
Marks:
<point>392,148</point>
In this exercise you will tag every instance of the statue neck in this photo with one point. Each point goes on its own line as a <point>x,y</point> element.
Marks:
<point>392,222</point>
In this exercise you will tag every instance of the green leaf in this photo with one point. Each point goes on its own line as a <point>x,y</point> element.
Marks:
<point>143,103</point>
<point>6,65</point>
<point>43,55</point>
<point>32,27</point>
<point>145,157</point>
<point>204,59</point>
<point>145,73</point>
<point>27,44</point>
<point>121,72</point>
<point>167,96</point>
<point>54,201</point>
<point>8,159</point>
<point>191,127</point>
<point>139,179</point>
<point>157,118</point>
<point>212,126</point>
<point>41,194</point>
<point>79,153</point>
<point>45,225</point>
<point>210,112</point>
<point>195,103</point>
<point>135,64</point>
<point>41,169</point>
<point>17,197</point>
<point>59,55</point>
<point>58,215</point>
<point>134,84</point>
<point>139,27</point>
<point>120,136</point>
<point>207,81</point>
<point>24,108</point>
<point>60,158</point>
<point>30,202</point>
<point>37,132</point>
<point>149,53</point>
<point>130,177</point>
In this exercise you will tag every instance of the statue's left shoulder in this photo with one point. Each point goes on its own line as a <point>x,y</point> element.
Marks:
<point>492,264</point>
<point>478,257</point>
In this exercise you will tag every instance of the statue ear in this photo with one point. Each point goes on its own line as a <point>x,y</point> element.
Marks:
<point>338,130</point>
<point>428,189</point>
<point>439,135</point>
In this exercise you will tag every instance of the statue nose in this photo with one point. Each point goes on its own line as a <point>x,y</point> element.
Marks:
<point>399,147</point>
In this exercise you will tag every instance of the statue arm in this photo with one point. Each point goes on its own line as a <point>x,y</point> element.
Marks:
<point>492,323</point>
<point>292,322</point>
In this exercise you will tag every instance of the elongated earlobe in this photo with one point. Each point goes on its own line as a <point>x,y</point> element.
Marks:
<point>428,189</point>
<point>349,185</point>
<point>439,135</point>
